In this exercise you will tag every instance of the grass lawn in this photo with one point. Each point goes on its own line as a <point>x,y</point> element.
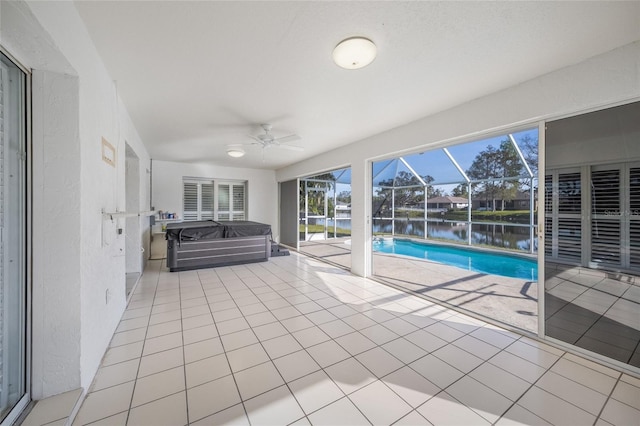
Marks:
<point>318,229</point>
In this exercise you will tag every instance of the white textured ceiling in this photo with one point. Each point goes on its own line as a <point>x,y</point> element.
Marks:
<point>198,76</point>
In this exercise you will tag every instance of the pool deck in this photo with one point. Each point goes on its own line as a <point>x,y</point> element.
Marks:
<point>507,300</point>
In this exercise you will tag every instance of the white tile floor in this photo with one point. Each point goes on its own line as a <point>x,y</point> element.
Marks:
<point>589,309</point>
<point>295,341</point>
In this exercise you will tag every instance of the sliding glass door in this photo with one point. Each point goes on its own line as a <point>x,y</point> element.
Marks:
<point>13,288</point>
<point>592,232</point>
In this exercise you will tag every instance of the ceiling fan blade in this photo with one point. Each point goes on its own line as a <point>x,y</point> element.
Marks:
<point>257,140</point>
<point>291,147</point>
<point>289,138</point>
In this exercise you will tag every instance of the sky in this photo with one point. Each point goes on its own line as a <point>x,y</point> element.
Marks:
<point>435,162</point>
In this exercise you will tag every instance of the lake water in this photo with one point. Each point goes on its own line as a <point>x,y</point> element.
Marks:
<point>501,236</point>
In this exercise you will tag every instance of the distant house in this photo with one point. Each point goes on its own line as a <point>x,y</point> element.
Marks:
<point>343,210</point>
<point>447,203</point>
<point>520,202</point>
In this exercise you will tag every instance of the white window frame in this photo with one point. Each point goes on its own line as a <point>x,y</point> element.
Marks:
<point>219,211</point>
<point>201,213</point>
<point>231,213</point>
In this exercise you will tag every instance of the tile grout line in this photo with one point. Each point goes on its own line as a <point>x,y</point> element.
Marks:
<point>143,344</point>
<point>609,397</point>
<point>184,357</point>
<point>215,323</point>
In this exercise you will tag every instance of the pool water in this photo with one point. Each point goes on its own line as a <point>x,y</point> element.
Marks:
<point>472,260</point>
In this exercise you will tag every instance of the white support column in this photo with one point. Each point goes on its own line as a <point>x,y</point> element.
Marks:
<point>469,206</point>
<point>426,227</point>
<point>531,217</point>
<point>361,188</point>
<point>393,211</point>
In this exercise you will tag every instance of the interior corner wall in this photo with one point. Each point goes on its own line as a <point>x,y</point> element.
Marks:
<point>79,287</point>
<point>262,190</point>
<point>601,81</point>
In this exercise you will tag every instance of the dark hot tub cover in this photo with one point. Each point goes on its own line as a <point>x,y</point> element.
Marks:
<point>244,228</point>
<point>196,230</point>
<point>210,229</point>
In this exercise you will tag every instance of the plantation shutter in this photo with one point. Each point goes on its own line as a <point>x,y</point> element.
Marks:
<point>190,201</point>
<point>548,215</point>
<point>569,228</point>
<point>197,200</point>
<point>224,202</point>
<point>206,201</point>
<point>238,202</point>
<point>605,216</point>
<point>634,217</point>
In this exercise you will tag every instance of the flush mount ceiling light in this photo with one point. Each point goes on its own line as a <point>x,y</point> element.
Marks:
<point>235,151</point>
<point>354,53</point>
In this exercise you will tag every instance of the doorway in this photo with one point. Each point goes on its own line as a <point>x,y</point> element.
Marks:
<point>324,212</point>
<point>592,233</point>
<point>133,237</point>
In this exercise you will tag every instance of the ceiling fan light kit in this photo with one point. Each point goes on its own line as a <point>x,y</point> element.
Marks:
<point>354,53</point>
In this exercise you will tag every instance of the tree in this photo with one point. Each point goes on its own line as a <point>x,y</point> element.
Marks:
<point>344,197</point>
<point>461,190</point>
<point>510,166</point>
<point>316,197</point>
<point>484,167</point>
<point>432,191</point>
<point>497,164</point>
<point>529,148</point>
<point>408,191</point>
<point>406,187</point>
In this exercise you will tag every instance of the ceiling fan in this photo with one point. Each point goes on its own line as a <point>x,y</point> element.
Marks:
<point>267,140</point>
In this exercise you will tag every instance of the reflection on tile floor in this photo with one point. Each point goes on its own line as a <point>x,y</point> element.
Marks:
<point>507,300</point>
<point>595,311</point>
<point>297,341</point>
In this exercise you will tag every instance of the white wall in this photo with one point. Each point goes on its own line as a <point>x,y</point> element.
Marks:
<point>600,137</point>
<point>262,189</point>
<point>78,258</point>
<point>600,81</point>
<point>56,289</point>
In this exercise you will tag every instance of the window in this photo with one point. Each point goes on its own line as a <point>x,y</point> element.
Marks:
<point>231,201</point>
<point>197,200</point>
<point>208,200</point>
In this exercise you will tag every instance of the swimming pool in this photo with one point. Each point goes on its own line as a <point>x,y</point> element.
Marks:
<point>472,260</point>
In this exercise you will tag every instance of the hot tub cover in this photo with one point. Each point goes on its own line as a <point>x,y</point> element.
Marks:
<point>196,230</point>
<point>244,228</point>
<point>210,229</point>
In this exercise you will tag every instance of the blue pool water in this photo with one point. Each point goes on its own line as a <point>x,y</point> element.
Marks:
<point>472,260</point>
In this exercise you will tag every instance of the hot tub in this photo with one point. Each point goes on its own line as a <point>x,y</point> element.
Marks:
<point>208,243</point>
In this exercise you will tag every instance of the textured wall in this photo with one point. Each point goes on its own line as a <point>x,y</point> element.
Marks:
<point>56,234</point>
